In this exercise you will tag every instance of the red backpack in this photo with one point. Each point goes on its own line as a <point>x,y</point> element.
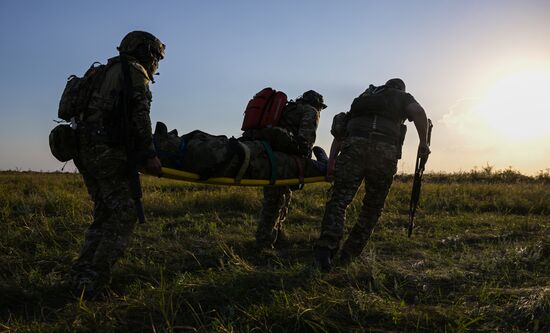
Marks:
<point>264,109</point>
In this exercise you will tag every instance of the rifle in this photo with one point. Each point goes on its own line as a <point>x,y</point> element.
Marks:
<point>417,182</point>
<point>133,174</point>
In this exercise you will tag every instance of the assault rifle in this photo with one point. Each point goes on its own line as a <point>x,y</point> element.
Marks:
<point>124,117</point>
<point>417,182</point>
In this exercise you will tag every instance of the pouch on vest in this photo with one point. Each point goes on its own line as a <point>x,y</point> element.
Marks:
<point>63,143</point>
<point>264,109</point>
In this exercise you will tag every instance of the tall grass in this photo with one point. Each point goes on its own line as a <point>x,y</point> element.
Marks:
<point>478,261</point>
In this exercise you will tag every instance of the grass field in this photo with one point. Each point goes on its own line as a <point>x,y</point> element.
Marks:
<point>479,261</point>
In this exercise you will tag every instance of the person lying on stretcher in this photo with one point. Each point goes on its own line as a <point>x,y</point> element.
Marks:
<point>219,156</point>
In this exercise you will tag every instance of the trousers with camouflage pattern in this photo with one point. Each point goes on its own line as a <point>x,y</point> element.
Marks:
<point>104,171</point>
<point>275,207</point>
<point>361,159</point>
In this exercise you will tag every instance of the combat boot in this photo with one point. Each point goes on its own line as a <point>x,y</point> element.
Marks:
<point>320,154</point>
<point>354,245</point>
<point>83,284</point>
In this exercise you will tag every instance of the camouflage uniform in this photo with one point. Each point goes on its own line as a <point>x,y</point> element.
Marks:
<point>219,156</point>
<point>302,122</point>
<point>369,153</point>
<point>360,159</point>
<point>102,160</point>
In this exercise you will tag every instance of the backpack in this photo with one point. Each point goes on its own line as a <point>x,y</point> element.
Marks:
<point>78,91</point>
<point>372,90</point>
<point>264,110</point>
<point>74,102</point>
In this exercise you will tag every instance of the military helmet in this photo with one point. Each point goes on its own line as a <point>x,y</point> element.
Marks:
<point>63,143</point>
<point>396,83</point>
<point>314,98</point>
<point>135,40</point>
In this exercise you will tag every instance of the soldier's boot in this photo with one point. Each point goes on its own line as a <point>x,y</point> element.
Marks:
<point>354,245</point>
<point>83,283</point>
<point>322,258</point>
<point>321,161</point>
<point>161,129</point>
<point>320,154</point>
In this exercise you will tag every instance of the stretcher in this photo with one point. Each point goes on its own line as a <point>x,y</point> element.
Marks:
<point>194,178</point>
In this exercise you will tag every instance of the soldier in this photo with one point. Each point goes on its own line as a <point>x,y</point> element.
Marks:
<point>369,151</point>
<point>301,120</point>
<point>212,156</point>
<point>109,145</point>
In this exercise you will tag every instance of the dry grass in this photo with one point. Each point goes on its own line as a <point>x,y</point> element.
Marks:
<point>478,261</point>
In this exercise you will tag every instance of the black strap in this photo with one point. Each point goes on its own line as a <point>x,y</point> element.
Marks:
<point>133,174</point>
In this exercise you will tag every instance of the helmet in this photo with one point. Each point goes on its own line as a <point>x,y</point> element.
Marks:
<point>396,84</point>
<point>314,98</point>
<point>63,143</point>
<point>146,48</point>
<point>136,40</point>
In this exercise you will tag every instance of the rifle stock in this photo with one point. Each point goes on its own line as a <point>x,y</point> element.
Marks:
<point>417,182</point>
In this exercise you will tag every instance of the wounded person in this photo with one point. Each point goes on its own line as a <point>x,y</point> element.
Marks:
<point>219,156</point>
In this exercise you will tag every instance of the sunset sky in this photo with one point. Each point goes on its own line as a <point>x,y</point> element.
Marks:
<point>481,69</point>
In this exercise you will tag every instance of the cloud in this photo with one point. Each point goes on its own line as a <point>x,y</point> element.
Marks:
<point>466,138</point>
<point>464,131</point>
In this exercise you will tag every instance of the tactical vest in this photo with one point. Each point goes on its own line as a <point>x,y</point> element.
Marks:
<point>377,110</point>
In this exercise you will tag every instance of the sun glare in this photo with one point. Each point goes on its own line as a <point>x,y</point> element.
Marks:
<point>518,106</point>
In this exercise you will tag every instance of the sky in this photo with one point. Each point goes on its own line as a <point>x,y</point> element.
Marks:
<point>480,69</point>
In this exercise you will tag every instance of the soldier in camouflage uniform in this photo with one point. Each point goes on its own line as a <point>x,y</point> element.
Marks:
<point>301,120</point>
<point>103,157</point>
<point>370,148</point>
<point>211,156</point>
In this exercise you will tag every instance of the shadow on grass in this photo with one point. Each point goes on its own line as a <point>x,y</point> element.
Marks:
<point>39,302</point>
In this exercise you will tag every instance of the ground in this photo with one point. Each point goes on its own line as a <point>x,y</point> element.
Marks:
<point>477,261</point>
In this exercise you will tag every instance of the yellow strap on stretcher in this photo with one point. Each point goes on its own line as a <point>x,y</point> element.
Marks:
<point>192,177</point>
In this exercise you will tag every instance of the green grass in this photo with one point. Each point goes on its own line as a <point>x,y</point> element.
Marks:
<point>478,261</point>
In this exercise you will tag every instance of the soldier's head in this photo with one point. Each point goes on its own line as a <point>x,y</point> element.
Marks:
<point>145,47</point>
<point>313,98</point>
<point>396,84</point>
